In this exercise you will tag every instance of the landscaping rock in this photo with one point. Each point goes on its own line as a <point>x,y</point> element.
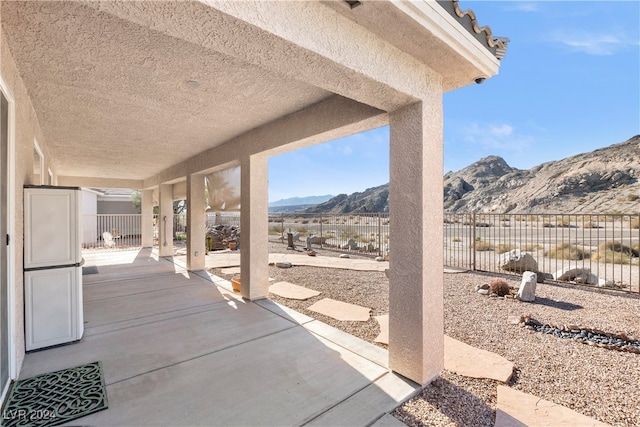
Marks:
<point>577,275</point>
<point>379,259</point>
<point>351,245</point>
<point>483,291</point>
<point>484,286</point>
<point>517,261</point>
<point>344,256</point>
<point>284,264</point>
<point>317,240</point>
<point>527,290</point>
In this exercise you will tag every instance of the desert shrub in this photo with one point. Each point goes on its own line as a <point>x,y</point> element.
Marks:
<point>633,197</point>
<point>349,233</point>
<point>482,246</point>
<point>302,230</point>
<point>563,221</point>
<point>276,229</point>
<point>456,239</point>
<point>635,223</point>
<point>530,247</point>
<point>304,221</point>
<point>181,237</point>
<point>499,287</point>
<point>615,252</point>
<point>591,224</point>
<point>567,251</point>
<point>505,247</point>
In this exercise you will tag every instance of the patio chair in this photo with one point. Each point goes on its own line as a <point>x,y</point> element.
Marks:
<point>107,239</point>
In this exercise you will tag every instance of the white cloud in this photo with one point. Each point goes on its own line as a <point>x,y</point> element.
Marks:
<point>591,43</point>
<point>346,150</point>
<point>496,137</point>
<point>522,6</point>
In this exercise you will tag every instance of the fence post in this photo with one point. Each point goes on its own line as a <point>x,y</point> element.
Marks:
<point>321,231</point>
<point>379,235</point>
<point>473,237</point>
<point>282,227</point>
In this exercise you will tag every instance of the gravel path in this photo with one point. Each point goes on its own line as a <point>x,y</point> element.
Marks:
<point>596,382</point>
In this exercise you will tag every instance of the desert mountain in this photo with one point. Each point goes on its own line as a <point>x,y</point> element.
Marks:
<point>375,199</point>
<point>606,180</point>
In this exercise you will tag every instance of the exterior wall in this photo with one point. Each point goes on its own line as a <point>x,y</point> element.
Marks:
<point>26,129</point>
<point>116,207</point>
<point>89,221</point>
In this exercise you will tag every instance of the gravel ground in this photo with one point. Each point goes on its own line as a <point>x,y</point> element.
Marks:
<point>596,382</point>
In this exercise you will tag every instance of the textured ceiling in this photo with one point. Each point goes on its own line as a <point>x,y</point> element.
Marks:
<point>118,100</point>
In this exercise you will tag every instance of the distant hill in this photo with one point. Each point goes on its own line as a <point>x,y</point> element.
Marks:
<point>606,180</point>
<point>297,201</point>
<point>602,181</point>
<point>374,199</point>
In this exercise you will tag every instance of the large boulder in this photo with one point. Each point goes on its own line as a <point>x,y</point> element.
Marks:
<point>577,275</point>
<point>317,240</point>
<point>527,290</point>
<point>517,261</point>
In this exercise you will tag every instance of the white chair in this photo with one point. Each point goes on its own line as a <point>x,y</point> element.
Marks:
<point>107,239</point>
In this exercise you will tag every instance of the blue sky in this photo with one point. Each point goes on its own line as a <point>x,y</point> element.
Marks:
<point>570,83</point>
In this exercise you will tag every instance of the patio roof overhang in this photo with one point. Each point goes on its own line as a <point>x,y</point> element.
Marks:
<point>133,94</point>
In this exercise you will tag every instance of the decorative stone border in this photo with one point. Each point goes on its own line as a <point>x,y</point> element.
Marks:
<point>590,336</point>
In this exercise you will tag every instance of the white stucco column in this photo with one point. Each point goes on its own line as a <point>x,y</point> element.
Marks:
<point>165,220</point>
<point>146,221</point>
<point>196,226</point>
<point>254,231</point>
<point>416,324</point>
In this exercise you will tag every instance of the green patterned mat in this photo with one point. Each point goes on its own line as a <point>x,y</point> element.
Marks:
<point>57,397</point>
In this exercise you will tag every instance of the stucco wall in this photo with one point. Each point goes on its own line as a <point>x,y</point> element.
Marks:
<point>26,129</point>
<point>116,207</point>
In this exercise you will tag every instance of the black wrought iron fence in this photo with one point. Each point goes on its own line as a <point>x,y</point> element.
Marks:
<point>367,234</point>
<point>596,249</point>
<point>599,250</point>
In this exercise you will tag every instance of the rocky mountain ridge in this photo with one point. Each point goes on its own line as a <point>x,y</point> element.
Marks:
<point>606,180</point>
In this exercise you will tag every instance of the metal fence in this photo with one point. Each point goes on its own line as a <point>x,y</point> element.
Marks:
<point>605,248</point>
<point>111,231</point>
<point>367,234</point>
<point>602,250</point>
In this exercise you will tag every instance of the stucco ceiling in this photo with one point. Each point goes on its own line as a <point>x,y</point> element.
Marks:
<point>115,99</point>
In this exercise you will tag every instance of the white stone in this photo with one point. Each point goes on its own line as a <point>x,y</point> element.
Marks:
<point>518,261</point>
<point>344,256</point>
<point>527,290</point>
<point>577,275</point>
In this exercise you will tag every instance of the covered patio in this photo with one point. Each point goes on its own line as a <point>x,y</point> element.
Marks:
<point>157,95</point>
<point>179,348</point>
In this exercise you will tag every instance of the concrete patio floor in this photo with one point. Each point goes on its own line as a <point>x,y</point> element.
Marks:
<point>180,348</point>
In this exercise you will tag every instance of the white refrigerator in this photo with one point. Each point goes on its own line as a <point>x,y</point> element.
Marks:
<point>52,266</point>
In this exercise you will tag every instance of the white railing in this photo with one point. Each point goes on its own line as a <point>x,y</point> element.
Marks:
<point>111,231</point>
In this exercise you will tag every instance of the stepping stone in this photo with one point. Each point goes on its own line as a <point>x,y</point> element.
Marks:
<point>383,321</point>
<point>341,310</point>
<point>473,362</point>
<point>291,291</point>
<point>230,270</point>
<point>516,409</point>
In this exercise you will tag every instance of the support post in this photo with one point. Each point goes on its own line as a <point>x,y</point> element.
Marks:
<point>416,277</point>
<point>146,218</point>
<point>196,223</point>
<point>254,230</point>
<point>165,220</point>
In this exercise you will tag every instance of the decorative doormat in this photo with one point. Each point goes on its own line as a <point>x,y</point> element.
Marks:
<point>57,397</point>
<point>92,269</point>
